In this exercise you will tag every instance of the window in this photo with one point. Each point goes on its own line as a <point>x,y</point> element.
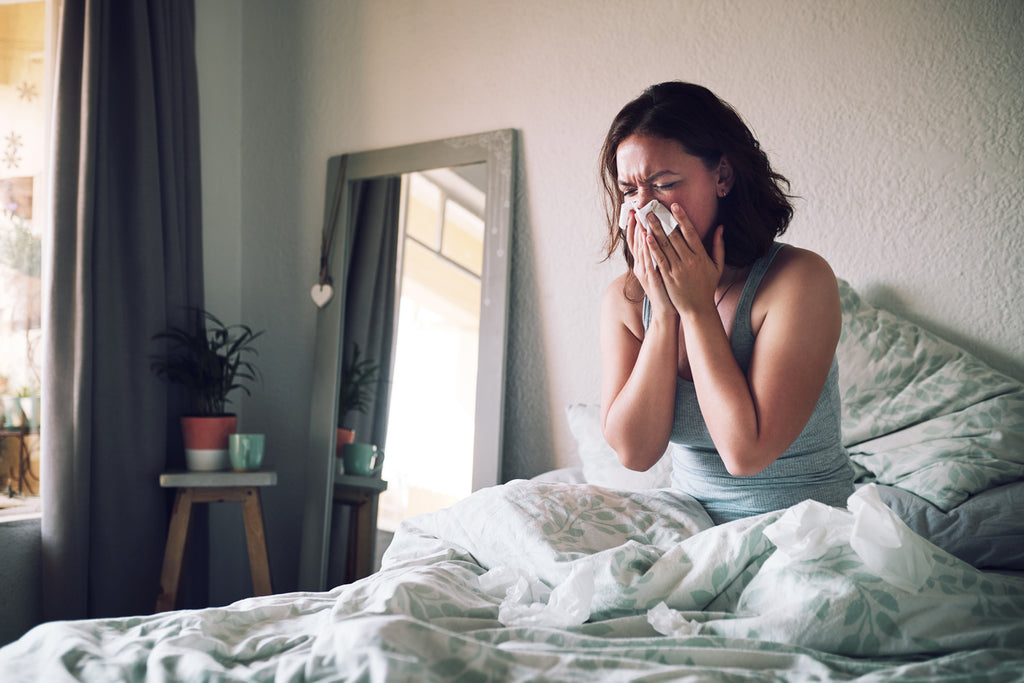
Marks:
<point>24,94</point>
<point>432,416</point>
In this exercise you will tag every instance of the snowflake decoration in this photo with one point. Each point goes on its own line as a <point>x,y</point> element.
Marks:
<point>27,92</point>
<point>13,144</point>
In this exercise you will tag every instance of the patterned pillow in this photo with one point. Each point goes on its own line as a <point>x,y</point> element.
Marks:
<point>600,464</point>
<point>922,414</point>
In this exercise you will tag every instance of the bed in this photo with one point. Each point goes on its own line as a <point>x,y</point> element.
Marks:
<point>596,573</point>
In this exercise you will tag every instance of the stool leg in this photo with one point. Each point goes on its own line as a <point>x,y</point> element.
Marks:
<point>256,540</point>
<point>365,529</point>
<point>352,552</point>
<point>174,553</point>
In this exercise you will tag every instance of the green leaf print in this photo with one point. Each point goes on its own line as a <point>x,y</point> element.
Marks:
<point>854,612</point>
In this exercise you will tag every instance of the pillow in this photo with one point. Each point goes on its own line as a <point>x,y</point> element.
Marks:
<point>600,464</point>
<point>562,475</point>
<point>985,530</point>
<point>922,414</point>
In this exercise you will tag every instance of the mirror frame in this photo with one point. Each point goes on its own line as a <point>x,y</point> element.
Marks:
<point>498,150</point>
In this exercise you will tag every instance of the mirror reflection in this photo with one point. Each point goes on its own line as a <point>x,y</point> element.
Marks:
<point>421,289</point>
<point>430,427</point>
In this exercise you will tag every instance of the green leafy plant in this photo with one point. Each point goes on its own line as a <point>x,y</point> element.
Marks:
<point>20,249</point>
<point>358,376</point>
<point>210,359</point>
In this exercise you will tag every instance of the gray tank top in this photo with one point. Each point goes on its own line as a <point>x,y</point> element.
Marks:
<point>815,466</point>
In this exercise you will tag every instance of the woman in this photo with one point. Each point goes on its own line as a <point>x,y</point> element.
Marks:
<point>717,337</point>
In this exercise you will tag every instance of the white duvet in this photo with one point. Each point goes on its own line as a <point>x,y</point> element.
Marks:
<point>569,582</point>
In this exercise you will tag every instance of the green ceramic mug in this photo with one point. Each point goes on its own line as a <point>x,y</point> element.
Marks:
<point>245,451</point>
<point>362,459</point>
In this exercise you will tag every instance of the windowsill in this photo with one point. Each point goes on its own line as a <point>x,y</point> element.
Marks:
<point>16,508</point>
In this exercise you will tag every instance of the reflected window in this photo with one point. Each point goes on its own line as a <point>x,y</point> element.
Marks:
<point>431,419</point>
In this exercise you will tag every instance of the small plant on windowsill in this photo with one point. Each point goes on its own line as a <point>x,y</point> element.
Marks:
<point>211,360</point>
<point>358,377</point>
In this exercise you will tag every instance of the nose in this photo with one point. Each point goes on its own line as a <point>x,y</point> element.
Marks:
<point>643,196</point>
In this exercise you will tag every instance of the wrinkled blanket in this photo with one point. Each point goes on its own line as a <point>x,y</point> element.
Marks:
<point>566,582</point>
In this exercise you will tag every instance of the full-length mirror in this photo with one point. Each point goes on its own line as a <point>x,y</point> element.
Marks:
<point>418,262</point>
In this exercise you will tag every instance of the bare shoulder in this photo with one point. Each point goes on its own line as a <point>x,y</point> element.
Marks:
<point>622,304</point>
<point>793,266</point>
<point>801,281</point>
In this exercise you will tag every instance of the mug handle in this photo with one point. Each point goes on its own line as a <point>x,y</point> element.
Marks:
<point>378,463</point>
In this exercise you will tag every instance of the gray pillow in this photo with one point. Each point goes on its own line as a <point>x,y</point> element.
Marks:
<point>986,530</point>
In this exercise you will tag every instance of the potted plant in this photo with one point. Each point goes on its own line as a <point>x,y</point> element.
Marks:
<point>211,360</point>
<point>7,405</point>
<point>29,400</point>
<point>358,376</point>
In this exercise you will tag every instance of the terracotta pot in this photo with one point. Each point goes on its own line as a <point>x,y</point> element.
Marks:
<point>345,436</point>
<point>206,441</point>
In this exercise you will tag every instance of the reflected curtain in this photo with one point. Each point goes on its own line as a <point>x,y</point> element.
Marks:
<point>370,290</point>
<point>124,261</point>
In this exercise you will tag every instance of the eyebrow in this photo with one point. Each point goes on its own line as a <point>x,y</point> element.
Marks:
<point>649,179</point>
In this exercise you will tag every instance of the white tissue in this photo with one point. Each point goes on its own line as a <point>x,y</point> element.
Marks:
<point>806,531</point>
<point>880,539</point>
<point>886,544</point>
<point>670,622</point>
<point>505,582</point>
<point>523,604</point>
<point>668,221</point>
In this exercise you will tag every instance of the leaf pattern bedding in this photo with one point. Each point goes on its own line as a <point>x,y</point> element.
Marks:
<point>569,582</point>
<point>922,414</point>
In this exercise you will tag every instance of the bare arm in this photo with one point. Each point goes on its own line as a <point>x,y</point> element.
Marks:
<point>638,379</point>
<point>753,418</point>
<point>638,368</point>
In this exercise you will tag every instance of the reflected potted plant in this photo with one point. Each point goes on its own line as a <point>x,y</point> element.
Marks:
<point>211,360</point>
<point>29,401</point>
<point>358,377</point>
<point>10,408</point>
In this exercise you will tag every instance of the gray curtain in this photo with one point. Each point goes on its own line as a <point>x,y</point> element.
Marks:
<point>125,259</point>
<point>370,290</point>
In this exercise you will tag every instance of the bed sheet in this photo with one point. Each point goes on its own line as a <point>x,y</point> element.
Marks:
<point>537,580</point>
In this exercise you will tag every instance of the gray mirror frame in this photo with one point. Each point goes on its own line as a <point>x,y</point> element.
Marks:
<point>498,150</point>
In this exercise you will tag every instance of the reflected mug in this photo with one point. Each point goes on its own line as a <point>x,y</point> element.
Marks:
<point>362,459</point>
<point>245,451</point>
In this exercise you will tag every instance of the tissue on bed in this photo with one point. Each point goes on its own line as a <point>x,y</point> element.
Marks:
<point>568,603</point>
<point>807,530</point>
<point>670,622</point>
<point>668,221</point>
<point>886,544</point>
<point>881,540</point>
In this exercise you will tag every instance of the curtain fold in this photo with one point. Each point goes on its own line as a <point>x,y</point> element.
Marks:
<point>124,262</point>
<point>371,289</point>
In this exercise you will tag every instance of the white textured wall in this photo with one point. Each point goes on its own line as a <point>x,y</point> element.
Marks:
<point>900,125</point>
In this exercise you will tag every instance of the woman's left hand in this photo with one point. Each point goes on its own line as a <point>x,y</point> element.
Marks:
<point>689,274</point>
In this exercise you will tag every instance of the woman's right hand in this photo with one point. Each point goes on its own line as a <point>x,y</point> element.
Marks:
<point>644,269</point>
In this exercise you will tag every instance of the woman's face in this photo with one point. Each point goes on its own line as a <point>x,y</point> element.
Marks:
<point>658,168</point>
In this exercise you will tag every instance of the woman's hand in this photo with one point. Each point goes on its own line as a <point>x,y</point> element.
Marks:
<point>641,246</point>
<point>688,275</point>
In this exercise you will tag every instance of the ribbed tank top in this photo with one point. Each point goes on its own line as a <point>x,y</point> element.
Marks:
<point>814,466</point>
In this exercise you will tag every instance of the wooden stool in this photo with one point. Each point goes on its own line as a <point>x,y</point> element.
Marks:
<point>361,494</point>
<point>214,487</point>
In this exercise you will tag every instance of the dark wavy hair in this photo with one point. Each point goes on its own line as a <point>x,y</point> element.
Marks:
<point>757,208</point>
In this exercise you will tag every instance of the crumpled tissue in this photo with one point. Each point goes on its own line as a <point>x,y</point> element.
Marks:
<point>668,221</point>
<point>670,622</point>
<point>526,601</point>
<point>880,539</point>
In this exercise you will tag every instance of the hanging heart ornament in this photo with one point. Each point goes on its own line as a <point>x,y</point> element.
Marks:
<point>322,294</point>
